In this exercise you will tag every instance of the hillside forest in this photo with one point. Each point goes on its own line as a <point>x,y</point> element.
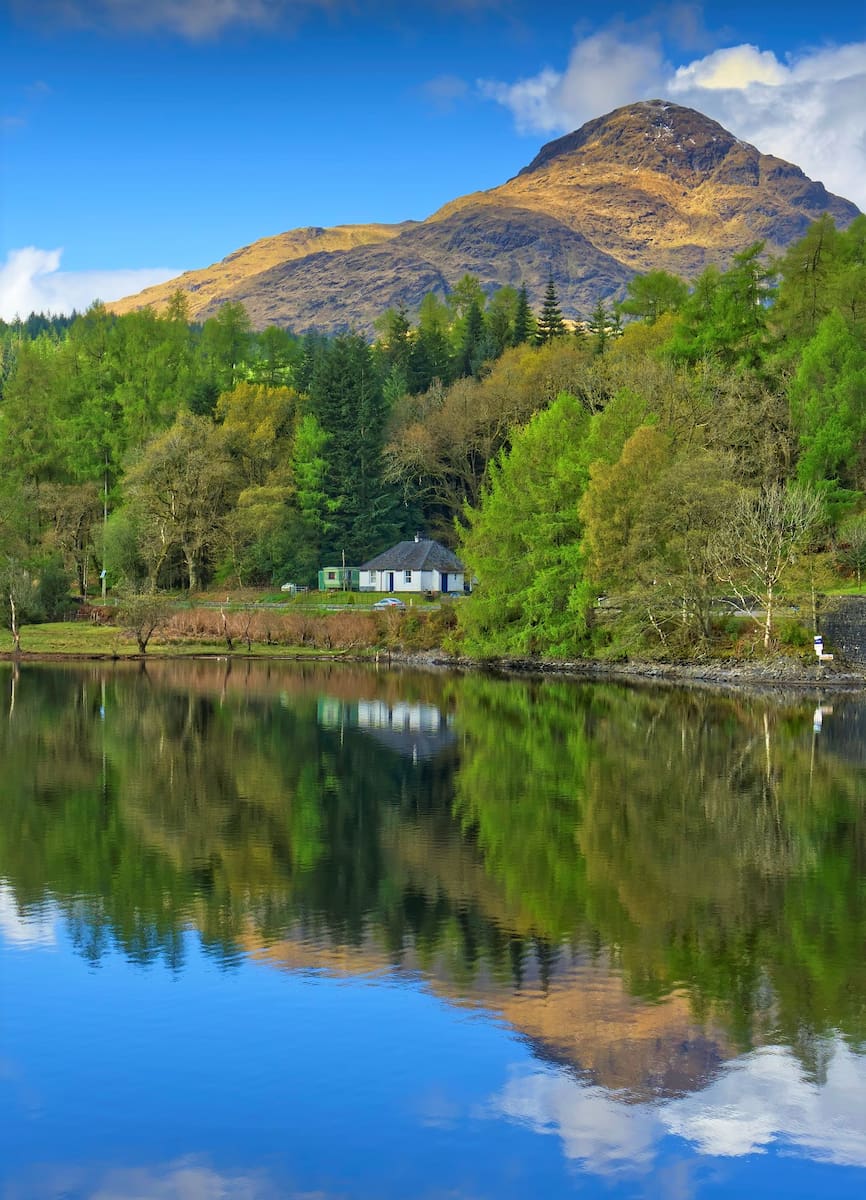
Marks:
<point>605,482</point>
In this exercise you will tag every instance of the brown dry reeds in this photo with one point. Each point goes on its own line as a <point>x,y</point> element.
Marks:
<point>335,631</point>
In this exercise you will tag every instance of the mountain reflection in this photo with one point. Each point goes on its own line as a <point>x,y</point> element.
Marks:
<point>643,884</point>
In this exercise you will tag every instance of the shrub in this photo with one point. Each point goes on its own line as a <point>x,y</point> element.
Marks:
<point>52,590</point>
<point>793,633</point>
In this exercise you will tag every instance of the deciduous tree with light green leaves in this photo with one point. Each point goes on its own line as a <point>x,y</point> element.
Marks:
<point>828,406</point>
<point>522,544</point>
<point>652,295</point>
<point>651,520</point>
<point>725,317</point>
<point>181,492</point>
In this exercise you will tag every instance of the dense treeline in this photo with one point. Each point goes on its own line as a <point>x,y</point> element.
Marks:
<point>172,455</point>
<point>720,438</point>
<point>687,453</point>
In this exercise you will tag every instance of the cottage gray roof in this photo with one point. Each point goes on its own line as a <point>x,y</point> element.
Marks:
<point>423,555</point>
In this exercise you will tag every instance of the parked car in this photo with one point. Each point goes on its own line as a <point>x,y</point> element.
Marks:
<point>389,602</point>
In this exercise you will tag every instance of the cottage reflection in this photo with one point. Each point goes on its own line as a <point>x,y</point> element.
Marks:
<point>416,731</point>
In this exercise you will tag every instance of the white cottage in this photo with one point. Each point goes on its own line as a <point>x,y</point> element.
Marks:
<point>418,566</point>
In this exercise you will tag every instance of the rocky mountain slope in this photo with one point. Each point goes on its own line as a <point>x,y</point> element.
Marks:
<point>652,185</point>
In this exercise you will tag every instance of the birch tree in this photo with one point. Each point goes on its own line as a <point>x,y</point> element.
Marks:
<point>760,541</point>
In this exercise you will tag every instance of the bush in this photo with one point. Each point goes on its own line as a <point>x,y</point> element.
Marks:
<point>793,633</point>
<point>142,614</point>
<point>52,597</point>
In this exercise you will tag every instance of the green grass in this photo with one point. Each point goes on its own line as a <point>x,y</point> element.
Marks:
<point>845,589</point>
<point>83,640</point>
<point>70,638</point>
<point>313,601</point>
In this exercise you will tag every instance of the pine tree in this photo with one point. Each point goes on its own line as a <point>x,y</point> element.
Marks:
<point>347,401</point>
<point>430,354</point>
<point>550,323</point>
<point>599,328</point>
<point>524,321</point>
<point>470,353</point>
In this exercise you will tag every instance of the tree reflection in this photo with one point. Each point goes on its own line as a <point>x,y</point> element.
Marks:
<point>697,842</point>
<point>695,836</point>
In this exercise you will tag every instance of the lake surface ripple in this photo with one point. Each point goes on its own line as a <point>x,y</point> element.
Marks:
<point>289,930</point>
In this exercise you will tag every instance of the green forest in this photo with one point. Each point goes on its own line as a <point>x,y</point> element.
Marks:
<point>606,482</point>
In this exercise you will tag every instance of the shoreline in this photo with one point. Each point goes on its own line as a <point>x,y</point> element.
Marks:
<point>770,674</point>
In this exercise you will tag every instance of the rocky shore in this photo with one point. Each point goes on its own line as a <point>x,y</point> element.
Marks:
<point>771,673</point>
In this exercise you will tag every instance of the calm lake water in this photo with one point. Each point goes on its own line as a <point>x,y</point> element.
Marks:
<point>296,931</point>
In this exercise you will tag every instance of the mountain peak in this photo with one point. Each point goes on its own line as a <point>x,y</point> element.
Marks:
<point>649,134</point>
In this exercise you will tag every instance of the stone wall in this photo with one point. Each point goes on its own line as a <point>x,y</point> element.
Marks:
<point>843,626</point>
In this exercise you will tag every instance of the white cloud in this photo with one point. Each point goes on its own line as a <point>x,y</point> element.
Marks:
<point>28,929</point>
<point>604,71</point>
<point>765,1099</point>
<point>31,281</point>
<point>192,19</point>
<point>202,19</point>
<point>601,1132</point>
<point>807,109</point>
<point>183,1181</point>
<point>186,1179</point>
<point>735,67</point>
<point>759,1102</point>
<point>534,102</point>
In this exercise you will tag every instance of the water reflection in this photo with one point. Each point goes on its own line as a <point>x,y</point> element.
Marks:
<point>661,893</point>
<point>415,730</point>
<point>186,1179</point>
<point>762,1099</point>
<point>34,926</point>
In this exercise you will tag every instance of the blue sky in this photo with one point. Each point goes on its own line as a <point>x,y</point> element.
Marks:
<point>145,138</point>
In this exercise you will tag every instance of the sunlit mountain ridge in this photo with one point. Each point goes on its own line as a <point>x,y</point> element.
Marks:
<point>652,185</point>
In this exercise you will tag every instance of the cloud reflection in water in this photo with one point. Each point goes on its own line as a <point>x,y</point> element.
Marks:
<point>761,1101</point>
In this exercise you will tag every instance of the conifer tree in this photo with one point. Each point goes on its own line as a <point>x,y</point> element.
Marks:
<point>471,351</point>
<point>524,321</point>
<point>599,328</point>
<point>347,401</point>
<point>550,323</point>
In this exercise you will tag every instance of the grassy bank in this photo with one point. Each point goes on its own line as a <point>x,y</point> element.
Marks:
<point>239,629</point>
<point>67,639</point>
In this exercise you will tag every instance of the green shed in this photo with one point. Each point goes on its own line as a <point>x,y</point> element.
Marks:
<point>340,579</point>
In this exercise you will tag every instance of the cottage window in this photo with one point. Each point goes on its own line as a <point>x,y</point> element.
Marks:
<point>407,576</point>
<point>332,574</point>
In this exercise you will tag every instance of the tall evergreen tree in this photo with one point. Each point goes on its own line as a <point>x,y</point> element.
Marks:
<point>226,340</point>
<point>471,351</point>
<point>550,323</point>
<point>524,321</point>
<point>599,328</point>
<point>725,317</point>
<point>499,321</point>
<point>346,393</point>
<point>430,354</point>
<point>828,406</point>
